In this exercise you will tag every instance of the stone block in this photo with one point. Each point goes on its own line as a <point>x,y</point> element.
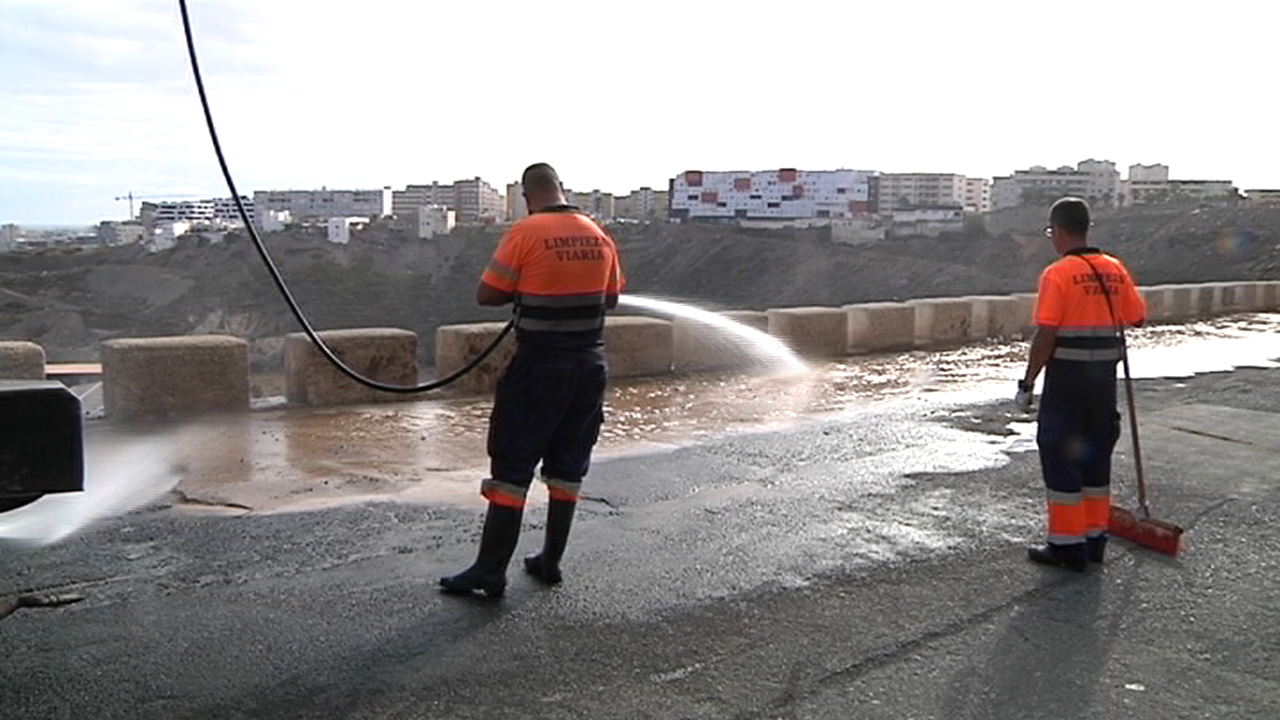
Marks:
<point>1156,298</point>
<point>1247,297</point>
<point>388,355</point>
<point>149,378</point>
<point>1181,303</point>
<point>21,360</point>
<point>698,345</point>
<point>1269,293</point>
<point>457,345</point>
<point>1027,309</point>
<point>1000,316</point>
<point>812,332</point>
<point>943,321</point>
<point>1207,298</point>
<point>879,327</point>
<point>637,346</point>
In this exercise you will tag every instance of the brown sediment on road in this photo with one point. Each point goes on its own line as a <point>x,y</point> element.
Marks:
<point>432,451</point>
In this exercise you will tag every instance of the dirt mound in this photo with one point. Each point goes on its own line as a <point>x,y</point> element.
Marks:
<point>69,300</point>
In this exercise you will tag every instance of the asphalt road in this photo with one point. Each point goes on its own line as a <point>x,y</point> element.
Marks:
<point>868,566</point>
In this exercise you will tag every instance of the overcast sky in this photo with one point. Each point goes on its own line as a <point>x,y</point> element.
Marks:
<point>96,98</point>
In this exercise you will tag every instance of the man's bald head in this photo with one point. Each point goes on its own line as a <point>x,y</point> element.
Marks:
<point>540,179</point>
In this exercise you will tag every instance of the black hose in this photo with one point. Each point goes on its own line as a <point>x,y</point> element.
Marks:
<point>275,272</point>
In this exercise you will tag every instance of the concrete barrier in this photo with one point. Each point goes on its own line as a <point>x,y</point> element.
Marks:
<point>1157,299</point>
<point>1181,303</point>
<point>1270,295</point>
<point>21,360</point>
<point>457,345</point>
<point>812,332</point>
<point>145,378</point>
<point>943,321</point>
<point>388,355</point>
<point>637,346</point>
<point>699,346</point>
<point>1247,297</point>
<point>879,327</point>
<point>999,316</point>
<point>1027,309</point>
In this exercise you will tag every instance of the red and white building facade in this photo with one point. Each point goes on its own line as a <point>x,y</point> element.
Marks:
<point>772,194</point>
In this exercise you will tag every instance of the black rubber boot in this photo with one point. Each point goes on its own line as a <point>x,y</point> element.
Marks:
<point>545,566</point>
<point>1068,557</point>
<point>1096,548</point>
<point>488,574</point>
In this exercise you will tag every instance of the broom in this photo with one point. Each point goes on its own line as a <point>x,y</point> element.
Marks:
<point>1139,528</point>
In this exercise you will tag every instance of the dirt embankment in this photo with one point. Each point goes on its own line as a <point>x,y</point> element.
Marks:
<point>69,300</point>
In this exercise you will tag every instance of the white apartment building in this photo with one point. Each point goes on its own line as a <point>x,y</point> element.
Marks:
<point>644,204</point>
<point>112,233</point>
<point>405,203</point>
<point>322,204</point>
<point>771,194</point>
<point>599,205</point>
<point>516,208</point>
<point>213,211</point>
<point>338,229</point>
<point>911,190</point>
<point>977,195</point>
<point>434,220</point>
<point>1148,184</point>
<point>1097,181</point>
<point>9,234</point>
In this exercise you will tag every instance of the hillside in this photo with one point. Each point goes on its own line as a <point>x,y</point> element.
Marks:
<point>68,300</point>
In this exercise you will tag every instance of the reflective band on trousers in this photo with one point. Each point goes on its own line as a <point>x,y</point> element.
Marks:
<point>1080,355</point>
<point>505,494</point>
<point>558,489</point>
<point>1066,517</point>
<point>572,325</point>
<point>1097,510</point>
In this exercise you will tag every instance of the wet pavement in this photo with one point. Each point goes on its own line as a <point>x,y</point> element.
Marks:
<point>849,546</point>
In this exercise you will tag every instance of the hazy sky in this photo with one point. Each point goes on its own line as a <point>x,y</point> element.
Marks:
<point>96,98</point>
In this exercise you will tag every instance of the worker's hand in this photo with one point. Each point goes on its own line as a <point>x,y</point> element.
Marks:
<point>1025,396</point>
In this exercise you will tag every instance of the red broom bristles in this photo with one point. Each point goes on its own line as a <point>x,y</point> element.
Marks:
<point>1163,537</point>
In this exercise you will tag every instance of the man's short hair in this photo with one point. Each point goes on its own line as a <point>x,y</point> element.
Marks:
<point>1072,215</point>
<point>540,178</point>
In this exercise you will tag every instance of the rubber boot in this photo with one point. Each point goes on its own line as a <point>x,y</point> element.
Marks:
<point>1096,548</point>
<point>545,566</point>
<point>1068,557</point>
<point>488,574</point>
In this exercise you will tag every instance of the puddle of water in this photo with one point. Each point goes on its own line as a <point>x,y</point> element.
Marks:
<point>433,450</point>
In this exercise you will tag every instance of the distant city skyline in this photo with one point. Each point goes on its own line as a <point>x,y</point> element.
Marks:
<point>99,102</point>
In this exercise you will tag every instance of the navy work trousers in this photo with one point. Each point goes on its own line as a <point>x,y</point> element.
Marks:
<point>548,409</point>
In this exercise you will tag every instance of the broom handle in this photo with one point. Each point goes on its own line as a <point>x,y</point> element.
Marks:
<point>1133,428</point>
<point>1128,390</point>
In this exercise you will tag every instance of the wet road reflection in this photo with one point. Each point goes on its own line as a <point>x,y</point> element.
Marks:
<point>433,450</point>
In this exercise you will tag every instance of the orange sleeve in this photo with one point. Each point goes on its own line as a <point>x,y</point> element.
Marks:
<point>617,280</point>
<point>503,271</point>
<point>1135,308</point>
<point>1050,303</point>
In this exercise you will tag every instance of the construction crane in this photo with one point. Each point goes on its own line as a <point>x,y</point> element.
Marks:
<point>130,197</point>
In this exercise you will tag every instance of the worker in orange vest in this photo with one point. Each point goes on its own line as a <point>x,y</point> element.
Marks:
<point>562,271</point>
<point>1084,300</point>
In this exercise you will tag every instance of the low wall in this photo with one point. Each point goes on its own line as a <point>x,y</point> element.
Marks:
<point>456,345</point>
<point>879,327</point>
<point>21,360</point>
<point>388,355</point>
<point>697,346</point>
<point>148,378</point>
<point>638,346</point>
<point>943,321</point>
<point>159,377</point>
<point>812,332</point>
